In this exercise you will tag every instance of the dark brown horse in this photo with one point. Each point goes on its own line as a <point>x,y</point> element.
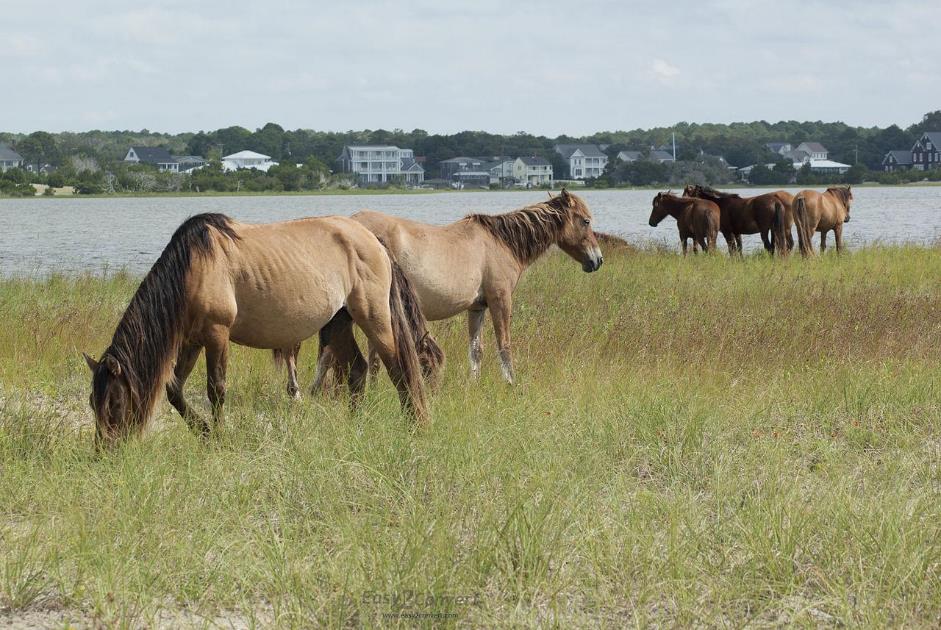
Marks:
<point>264,286</point>
<point>821,212</point>
<point>696,219</point>
<point>751,215</point>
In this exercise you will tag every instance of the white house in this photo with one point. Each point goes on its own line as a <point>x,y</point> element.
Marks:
<point>585,161</point>
<point>532,171</point>
<point>9,159</point>
<point>155,156</point>
<point>247,159</point>
<point>381,164</point>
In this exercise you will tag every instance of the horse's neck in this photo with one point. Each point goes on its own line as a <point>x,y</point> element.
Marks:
<point>676,206</point>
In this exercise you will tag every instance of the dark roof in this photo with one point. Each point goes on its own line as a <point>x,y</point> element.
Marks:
<point>6,153</point>
<point>776,146</point>
<point>589,150</point>
<point>901,157</point>
<point>153,155</point>
<point>815,147</point>
<point>633,155</point>
<point>534,161</point>
<point>934,136</point>
<point>660,155</point>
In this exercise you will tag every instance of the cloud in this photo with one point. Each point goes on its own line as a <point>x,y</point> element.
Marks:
<point>664,71</point>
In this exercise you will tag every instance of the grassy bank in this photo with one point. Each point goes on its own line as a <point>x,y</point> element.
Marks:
<point>700,441</point>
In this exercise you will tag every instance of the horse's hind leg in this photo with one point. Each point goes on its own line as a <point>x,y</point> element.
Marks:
<point>350,360</point>
<point>823,241</point>
<point>766,241</point>
<point>475,322</point>
<point>374,361</point>
<point>185,362</point>
<point>294,390</point>
<point>326,357</point>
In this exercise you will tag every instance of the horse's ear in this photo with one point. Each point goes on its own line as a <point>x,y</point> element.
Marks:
<point>566,197</point>
<point>112,364</point>
<point>92,364</point>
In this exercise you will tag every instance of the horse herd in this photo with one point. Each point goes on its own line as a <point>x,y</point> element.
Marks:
<point>702,212</point>
<point>272,286</point>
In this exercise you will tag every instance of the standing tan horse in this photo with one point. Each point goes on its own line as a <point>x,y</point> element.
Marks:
<point>475,264</point>
<point>696,218</point>
<point>263,286</point>
<point>821,212</point>
<point>750,215</point>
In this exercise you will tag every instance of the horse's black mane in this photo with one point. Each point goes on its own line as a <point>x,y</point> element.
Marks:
<point>149,334</point>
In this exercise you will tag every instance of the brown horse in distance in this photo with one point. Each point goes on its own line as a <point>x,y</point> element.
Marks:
<point>750,215</point>
<point>821,212</point>
<point>696,219</point>
<point>474,264</point>
<point>263,286</point>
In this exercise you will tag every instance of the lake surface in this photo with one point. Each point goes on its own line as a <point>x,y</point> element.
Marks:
<point>41,236</point>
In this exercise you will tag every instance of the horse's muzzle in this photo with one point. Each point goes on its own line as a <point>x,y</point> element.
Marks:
<point>652,223</point>
<point>592,265</point>
<point>846,220</point>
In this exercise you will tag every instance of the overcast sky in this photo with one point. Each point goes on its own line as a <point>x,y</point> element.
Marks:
<point>545,67</point>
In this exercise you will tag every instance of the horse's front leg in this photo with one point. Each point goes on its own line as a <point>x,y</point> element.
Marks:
<point>475,322</point>
<point>823,241</point>
<point>501,309</point>
<point>185,362</point>
<point>838,237</point>
<point>217,358</point>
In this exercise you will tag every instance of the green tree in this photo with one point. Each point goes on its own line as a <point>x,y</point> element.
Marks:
<point>39,148</point>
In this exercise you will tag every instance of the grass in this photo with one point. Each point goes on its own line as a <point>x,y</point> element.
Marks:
<point>691,442</point>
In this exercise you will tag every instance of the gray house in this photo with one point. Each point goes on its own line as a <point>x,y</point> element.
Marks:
<point>155,156</point>
<point>897,161</point>
<point>9,159</point>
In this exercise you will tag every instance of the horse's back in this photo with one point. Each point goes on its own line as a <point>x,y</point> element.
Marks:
<point>445,263</point>
<point>288,279</point>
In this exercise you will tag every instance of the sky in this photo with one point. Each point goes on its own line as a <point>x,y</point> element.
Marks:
<point>544,67</point>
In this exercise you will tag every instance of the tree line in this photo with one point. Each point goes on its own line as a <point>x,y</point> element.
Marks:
<point>92,161</point>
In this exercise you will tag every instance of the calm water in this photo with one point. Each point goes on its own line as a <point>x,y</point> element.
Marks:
<point>39,236</point>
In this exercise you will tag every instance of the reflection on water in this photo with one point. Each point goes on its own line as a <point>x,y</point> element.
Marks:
<point>39,236</point>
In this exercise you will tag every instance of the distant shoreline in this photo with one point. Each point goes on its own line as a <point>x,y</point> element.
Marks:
<point>401,191</point>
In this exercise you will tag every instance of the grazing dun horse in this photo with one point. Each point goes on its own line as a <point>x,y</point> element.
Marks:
<point>475,264</point>
<point>264,286</point>
<point>821,212</point>
<point>696,218</point>
<point>750,215</point>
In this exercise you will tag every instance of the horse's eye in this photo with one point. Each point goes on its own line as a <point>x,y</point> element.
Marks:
<point>586,221</point>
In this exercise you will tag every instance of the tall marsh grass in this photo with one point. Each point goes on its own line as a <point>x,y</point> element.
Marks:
<point>691,442</point>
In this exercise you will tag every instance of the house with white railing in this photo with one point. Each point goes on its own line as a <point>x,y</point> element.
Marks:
<point>381,164</point>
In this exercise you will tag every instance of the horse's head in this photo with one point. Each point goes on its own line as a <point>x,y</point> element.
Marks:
<point>576,238</point>
<point>844,194</point>
<point>691,190</point>
<point>111,397</point>
<point>659,210</point>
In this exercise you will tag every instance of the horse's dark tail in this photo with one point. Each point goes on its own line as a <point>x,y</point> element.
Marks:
<point>778,229</point>
<point>410,329</point>
<point>802,222</point>
<point>278,357</point>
